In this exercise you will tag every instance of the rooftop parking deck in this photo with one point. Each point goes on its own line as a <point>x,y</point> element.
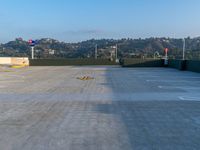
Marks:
<point>50,108</point>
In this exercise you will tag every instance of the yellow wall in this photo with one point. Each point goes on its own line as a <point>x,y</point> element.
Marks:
<point>5,60</point>
<point>14,61</point>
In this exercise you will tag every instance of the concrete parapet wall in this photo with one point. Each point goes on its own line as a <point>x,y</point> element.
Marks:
<point>20,61</point>
<point>14,61</point>
<point>5,60</point>
<point>142,63</point>
<point>178,64</point>
<point>70,62</point>
<point>192,65</point>
<point>189,65</point>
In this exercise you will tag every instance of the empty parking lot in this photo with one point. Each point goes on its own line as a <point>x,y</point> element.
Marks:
<point>51,108</point>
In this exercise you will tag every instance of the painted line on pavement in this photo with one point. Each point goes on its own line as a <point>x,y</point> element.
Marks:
<point>179,87</point>
<point>171,81</point>
<point>189,98</point>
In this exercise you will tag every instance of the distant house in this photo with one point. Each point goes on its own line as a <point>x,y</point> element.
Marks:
<point>51,52</point>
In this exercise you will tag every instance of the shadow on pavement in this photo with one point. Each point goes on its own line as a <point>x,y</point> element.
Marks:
<point>153,124</point>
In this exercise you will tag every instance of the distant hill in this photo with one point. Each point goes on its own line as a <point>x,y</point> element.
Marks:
<point>51,48</point>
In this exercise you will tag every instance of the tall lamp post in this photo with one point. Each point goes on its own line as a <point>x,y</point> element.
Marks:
<point>32,44</point>
<point>32,52</point>
<point>96,51</point>
<point>116,54</point>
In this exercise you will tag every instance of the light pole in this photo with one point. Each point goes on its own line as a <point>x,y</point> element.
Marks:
<point>183,48</point>
<point>32,52</point>
<point>96,51</point>
<point>116,53</point>
<point>32,44</point>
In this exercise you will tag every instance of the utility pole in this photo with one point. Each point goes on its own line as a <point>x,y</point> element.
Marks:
<point>111,55</point>
<point>116,53</point>
<point>96,51</point>
<point>183,48</point>
<point>32,52</point>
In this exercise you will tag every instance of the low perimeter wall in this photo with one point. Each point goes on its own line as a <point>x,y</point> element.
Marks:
<point>189,65</point>
<point>14,61</point>
<point>70,62</point>
<point>178,64</point>
<point>192,65</point>
<point>142,63</point>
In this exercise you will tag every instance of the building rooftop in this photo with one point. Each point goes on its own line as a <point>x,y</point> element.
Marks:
<point>48,108</point>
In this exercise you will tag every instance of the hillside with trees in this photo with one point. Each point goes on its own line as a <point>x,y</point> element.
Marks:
<point>127,48</point>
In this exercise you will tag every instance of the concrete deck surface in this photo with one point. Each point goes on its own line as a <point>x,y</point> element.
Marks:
<point>48,108</point>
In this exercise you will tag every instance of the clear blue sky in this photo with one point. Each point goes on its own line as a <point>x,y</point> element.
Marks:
<point>76,20</point>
